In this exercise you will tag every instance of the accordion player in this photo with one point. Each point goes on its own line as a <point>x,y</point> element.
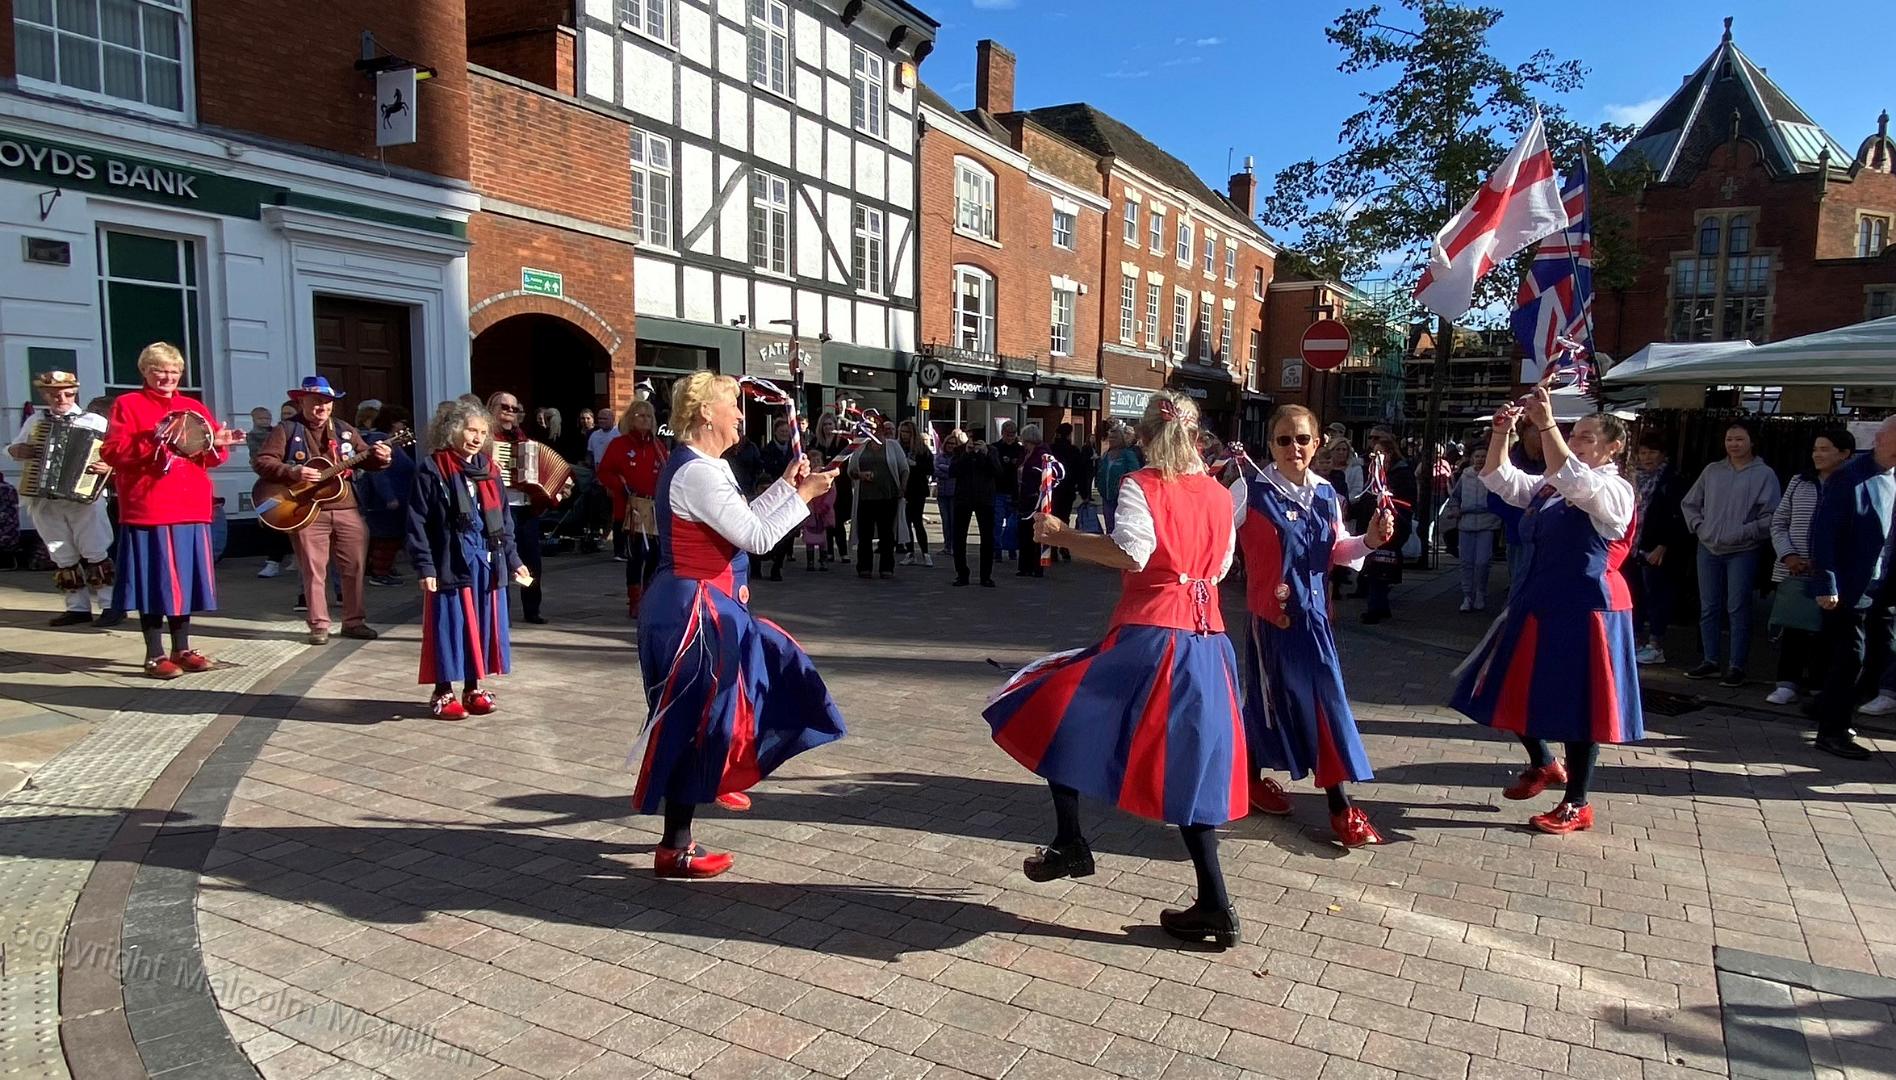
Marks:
<point>535,475</point>
<point>62,479</point>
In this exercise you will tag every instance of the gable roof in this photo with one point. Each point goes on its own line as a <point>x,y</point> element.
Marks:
<point>974,118</point>
<point>1102,134</point>
<point>1697,119</point>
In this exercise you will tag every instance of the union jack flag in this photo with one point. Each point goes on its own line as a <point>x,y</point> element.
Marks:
<point>1553,315</point>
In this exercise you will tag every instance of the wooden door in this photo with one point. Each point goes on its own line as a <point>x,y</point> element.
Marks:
<point>362,349</point>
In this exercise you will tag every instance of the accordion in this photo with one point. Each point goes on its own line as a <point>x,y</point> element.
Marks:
<point>534,470</point>
<point>63,451</point>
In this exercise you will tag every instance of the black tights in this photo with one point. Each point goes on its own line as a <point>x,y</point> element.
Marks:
<point>678,825</point>
<point>179,625</point>
<point>1581,758</point>
<point>470,686</point>
<point>1201,842</point>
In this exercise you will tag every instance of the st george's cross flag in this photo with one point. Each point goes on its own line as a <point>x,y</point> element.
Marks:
<point>1519,204</point>
<point>1553,315</point>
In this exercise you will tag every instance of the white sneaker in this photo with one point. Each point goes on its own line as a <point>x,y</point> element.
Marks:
<point>1884,705</point>
<point>928,560</point>
<point>271,568</point>
<point>1650,654</point>
<point>1783,695</point>
<point>909,559</point>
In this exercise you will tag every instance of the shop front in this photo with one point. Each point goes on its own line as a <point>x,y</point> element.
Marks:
<point>979,402</point>
<point>1067,401</point>
<point>1257,416</point>
<point>670,349</point>
<point>1127,403</point>
<point>261,267</point>
<point>1217,401</point>
<point>868,378</point>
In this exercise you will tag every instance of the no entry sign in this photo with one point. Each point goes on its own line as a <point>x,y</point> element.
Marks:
<point>1325,344</point>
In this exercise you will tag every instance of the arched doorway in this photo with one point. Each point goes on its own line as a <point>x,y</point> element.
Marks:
<point>544,360</point>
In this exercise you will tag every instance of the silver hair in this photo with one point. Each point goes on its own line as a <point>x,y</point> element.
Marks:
<point>1030,433</point>
<point>451,418</point>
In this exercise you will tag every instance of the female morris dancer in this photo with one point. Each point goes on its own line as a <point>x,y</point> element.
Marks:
<point>1559,663</point>
<point>1296,715</point>
<point>1147,719</point>
<point>731,695</point>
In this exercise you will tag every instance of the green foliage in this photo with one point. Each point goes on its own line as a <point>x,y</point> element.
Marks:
<point>1421,144</point>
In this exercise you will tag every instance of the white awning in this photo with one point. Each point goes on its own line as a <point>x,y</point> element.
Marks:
<point>1860,355</point>
<point>1665,355</point>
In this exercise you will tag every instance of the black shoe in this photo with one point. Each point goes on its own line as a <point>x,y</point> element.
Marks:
<point>1371,618</point>
<point>885,575</point>
<point>1051,863</point>
<point>987,583</point>
<point>865,575</point>
<point>302,603</point>
<point>109,617</point>
<point>961,583</point>
<point>1734,677</point>
<point>1704,671</point>
<point>1197,923</point>
<point>537,620</point>
<point>70,618</point>
<point>776,575</point>
<point>1843,746</point>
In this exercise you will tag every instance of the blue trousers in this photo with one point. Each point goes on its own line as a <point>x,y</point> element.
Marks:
<point>1725,585</point>
<point>1477,554</point>
<point>1652,605</point>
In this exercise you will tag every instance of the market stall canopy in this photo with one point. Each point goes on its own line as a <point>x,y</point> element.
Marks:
<point>1664,355</point>
<point>1572,403</point>
<point>1859,355</point>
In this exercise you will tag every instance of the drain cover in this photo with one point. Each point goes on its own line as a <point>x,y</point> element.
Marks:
<point>1667,703</point>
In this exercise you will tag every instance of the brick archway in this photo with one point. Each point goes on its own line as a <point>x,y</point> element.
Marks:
<point>506,305</point>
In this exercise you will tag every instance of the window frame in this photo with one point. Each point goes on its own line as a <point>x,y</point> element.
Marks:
<point>1128,309</point>
<point>1182,250</point>
<point>764,212</point>
<point>760,35</point>
<point>1057,328</point>
<point>868,92</point>
<point>1874,293</point>
<point>190,286</point>
<point>1204,328</point>
<point>1154,307</point>
<point>1864,223</point>
<point>642,25</point>
<point>984,324</point>
<point>1231,262</point>
<point>186,61</point>
<point>1723,241</point>
<point>1211,253</point>
<point>1224,337</point>
<point>1155,232</point>
<point>988,213</point>
<point>867,240</point>
<point>644,177</point>
<point>1181,322</point>
<point>1072,229</point>
<point>1129,224</point>
<point>1257,282</point>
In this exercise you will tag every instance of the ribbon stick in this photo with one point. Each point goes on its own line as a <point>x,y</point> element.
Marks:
<point>769,393</point>
<point>1378,483</point>
<point>1235,454</point>
<point>1566,367</point>
<point>1051,474</point>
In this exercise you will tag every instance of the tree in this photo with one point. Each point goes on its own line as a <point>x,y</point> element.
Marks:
<point>1418,148</point>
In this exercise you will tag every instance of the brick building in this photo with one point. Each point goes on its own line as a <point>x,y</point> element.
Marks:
<point>1177,296</point>
<point>1752,222</point>
<point>550,275</point>
<point>153,186</point>
<point>1010,268</point>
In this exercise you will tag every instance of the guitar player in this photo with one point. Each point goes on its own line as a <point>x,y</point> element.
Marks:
<point>337,533</point>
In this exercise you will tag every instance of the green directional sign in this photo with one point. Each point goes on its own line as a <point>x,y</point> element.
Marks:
<point>541,282</point>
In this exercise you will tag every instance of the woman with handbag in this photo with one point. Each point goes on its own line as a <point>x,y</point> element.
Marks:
<point>1795,619</point>
<point>629,468</point>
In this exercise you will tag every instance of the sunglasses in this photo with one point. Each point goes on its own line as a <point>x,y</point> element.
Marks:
<point>506,408</point>
<point>1301,439</point>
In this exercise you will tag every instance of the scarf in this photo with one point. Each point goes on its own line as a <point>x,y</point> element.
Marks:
<point>477,472</point>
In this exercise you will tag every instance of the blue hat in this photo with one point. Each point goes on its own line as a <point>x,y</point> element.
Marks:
<point>318,385</point>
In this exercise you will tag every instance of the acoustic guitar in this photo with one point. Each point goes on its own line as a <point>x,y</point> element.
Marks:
<point>288,508</point>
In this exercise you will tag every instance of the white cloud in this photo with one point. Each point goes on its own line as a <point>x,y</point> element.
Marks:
<point>1635,114</point>
<point>994,5</point>
<point>1127,73</point>
<point>1183,61</point>
<point>1208,42</point>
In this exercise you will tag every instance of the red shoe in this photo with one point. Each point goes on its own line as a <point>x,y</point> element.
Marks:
<point>1535,780</point>
<point>479,702</point>
<point>162,667</point>
<point>1268,797</point>
<point>693,862</point>
<point>1353,829</point>
<point>1564,818</point>
<point>191,660</point>
<point>632,596</point>
<point>445,707</point>
<point>734,800</point>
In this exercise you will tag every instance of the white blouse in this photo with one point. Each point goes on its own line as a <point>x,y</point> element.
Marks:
<point>1603,493</point>
<point>705,490</point>
<point>1134,533</point>
<point>1349,550</point>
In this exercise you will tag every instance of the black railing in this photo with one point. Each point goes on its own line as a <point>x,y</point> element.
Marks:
<point>1006,365</point>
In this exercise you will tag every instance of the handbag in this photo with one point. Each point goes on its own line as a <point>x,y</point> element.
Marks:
<point>1793,609</point>
<point>1089,519</point>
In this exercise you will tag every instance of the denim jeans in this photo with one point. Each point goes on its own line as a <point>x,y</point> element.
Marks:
<point>1003,516</point>
<point>946,505</point>
<point>1725,584</point>
<point>1477,554</point>
<point>1652,605</point>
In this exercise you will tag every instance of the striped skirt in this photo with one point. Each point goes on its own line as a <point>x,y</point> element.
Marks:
<point>464,633</point>
<point>165,570</point>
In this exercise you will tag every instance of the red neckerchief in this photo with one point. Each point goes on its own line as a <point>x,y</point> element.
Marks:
<point>489,488</point>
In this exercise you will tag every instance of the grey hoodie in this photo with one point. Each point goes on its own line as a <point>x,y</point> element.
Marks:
<point>1729,509</point>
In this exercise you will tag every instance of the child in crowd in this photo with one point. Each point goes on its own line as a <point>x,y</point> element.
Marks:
<point>816,527</point>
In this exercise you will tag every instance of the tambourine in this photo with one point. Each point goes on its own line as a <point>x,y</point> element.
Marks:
<point>187,434</point>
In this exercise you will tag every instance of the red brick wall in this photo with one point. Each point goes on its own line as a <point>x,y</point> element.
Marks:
<point>1020,263</point>
<point>541,150</point>
<point>542,56</point>
<point>286,71</point>
<point>494,18</point>
<point>1818,284</point>
<point>6,40</point>
<point>597,273</point>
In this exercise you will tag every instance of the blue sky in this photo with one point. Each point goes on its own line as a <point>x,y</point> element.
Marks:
<point>1214,80</point>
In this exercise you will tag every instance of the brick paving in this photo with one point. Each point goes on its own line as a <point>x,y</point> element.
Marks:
<point>394,896</point>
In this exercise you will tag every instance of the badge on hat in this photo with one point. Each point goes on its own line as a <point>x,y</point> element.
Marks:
<point>56,380</point>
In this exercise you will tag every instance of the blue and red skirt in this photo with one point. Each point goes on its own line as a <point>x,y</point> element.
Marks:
<point>1297,717</point>
<point>464,631</point>
<point>1569,676</point>
<point>732,696</point>
<point>1147,720</point>
<point>165,570</point>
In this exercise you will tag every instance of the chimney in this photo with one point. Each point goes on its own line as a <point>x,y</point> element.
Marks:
<point>993,77</point>
<point>1244,188</point>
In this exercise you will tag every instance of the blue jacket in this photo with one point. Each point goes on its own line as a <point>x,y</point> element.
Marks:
<point>434,545</point>
<point>1850,532</point>
<point>375,491</point>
